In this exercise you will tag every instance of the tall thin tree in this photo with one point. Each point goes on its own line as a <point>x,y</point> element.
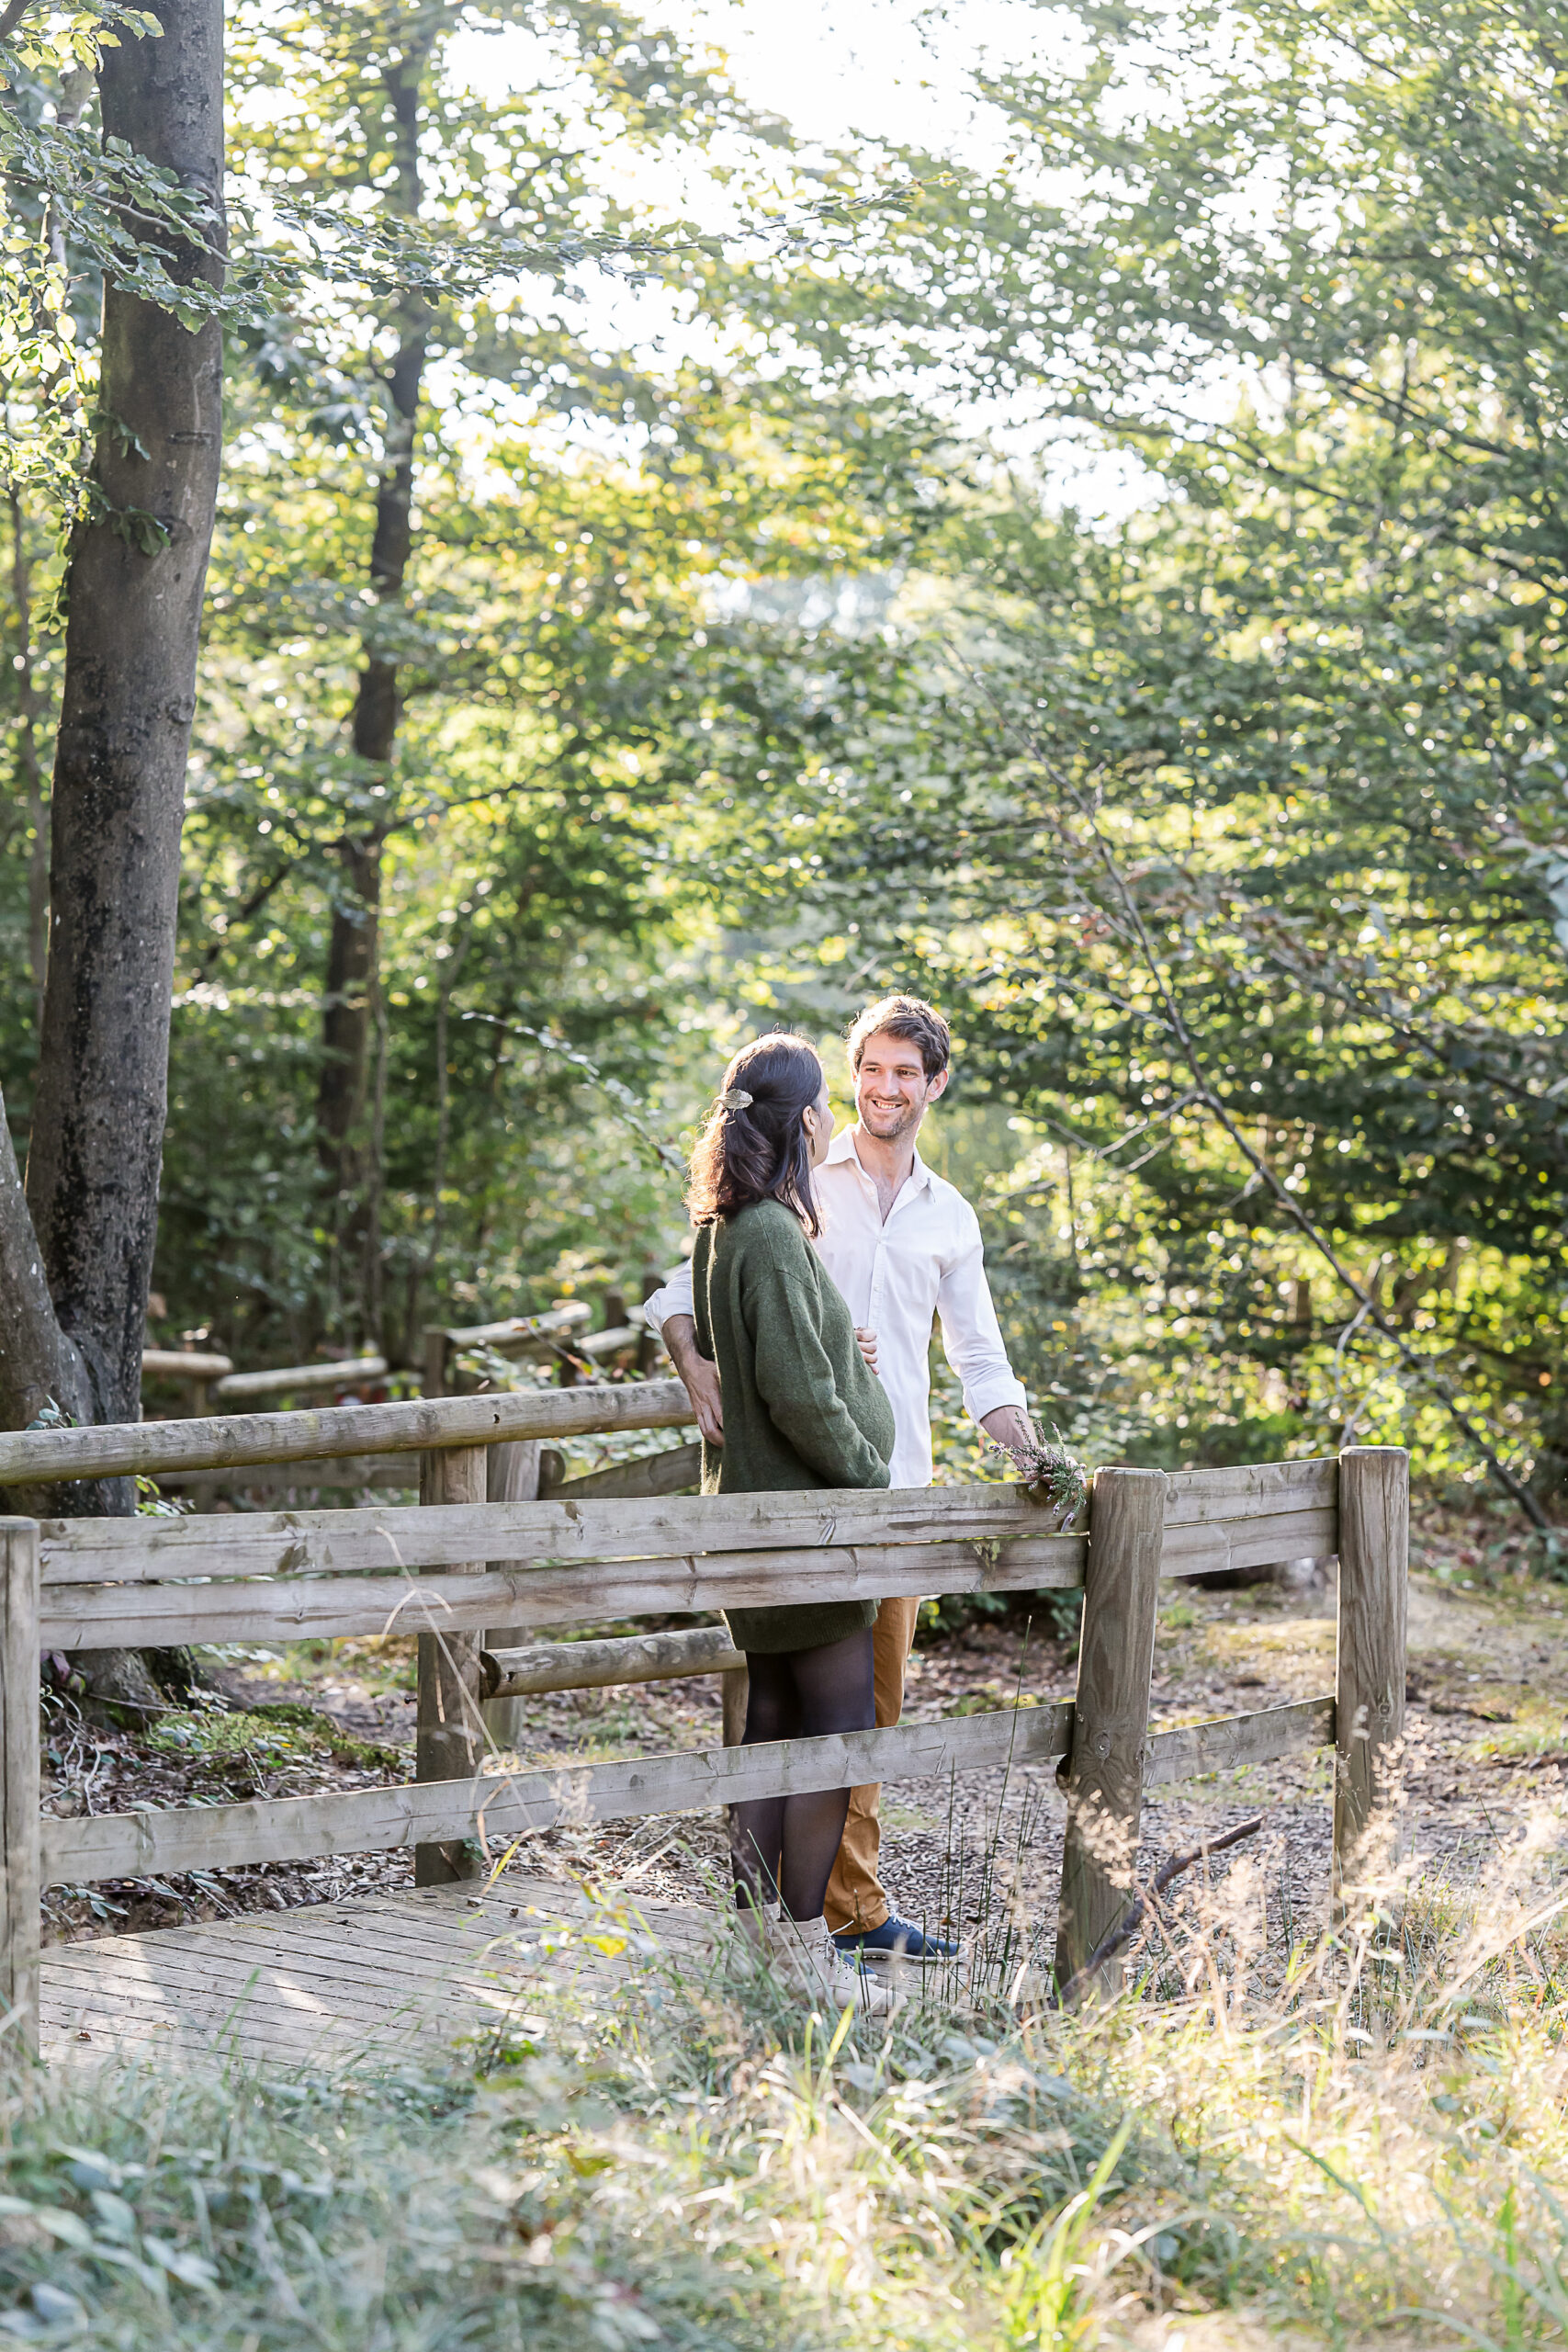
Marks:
<point>75,1255</point>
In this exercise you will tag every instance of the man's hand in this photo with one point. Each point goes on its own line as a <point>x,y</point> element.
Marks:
<point>698,1376</point>
<point>1009,1425</point>
<point>867,1340</point>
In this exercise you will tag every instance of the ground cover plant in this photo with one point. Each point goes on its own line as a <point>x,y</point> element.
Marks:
<point>1351,2142</point>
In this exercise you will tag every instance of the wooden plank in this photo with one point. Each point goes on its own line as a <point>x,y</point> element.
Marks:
<point>670,1473</point>
<point>519,1331</point>
<point>246,2028</point>
<point>214,1979</point>
<point>250,1986</point>
<point>289,1609</point>
<point>1202,1547</point>
<point>599,1666</point>
<point>1104,1777</point>
<point>331,1476</point>
<point>20,1786</point>
<point>1265,1736</point>
<point>115,1449</point>
<point>1250,1491</point>
<point>204,2024</point>
<point>512,1475</point>
<point>500,1806</point>
<point>177,1364</point>
<point>1374,1574</point>
<point>606,1343</point>
<point>348,1372</point>
<point>347,1986</point>
<point>449,1736</point>
<point>316,1941</point>
<point>167,1968</point>
<point>329,1542</point>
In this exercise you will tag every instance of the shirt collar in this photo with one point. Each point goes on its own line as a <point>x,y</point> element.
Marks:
<point>844,1148</point>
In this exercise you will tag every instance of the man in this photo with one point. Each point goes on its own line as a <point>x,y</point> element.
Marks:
<point>903,1245</point>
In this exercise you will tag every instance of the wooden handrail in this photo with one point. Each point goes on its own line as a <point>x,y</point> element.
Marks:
<point>371,1542</point>
<point>344,1371</point>
<point>140,1449</point>
<point>519,1331</point>
<point>604,1665</point>
<point>183,1363</point>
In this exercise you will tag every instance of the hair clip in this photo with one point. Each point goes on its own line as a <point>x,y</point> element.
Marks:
<point>736,1100</point>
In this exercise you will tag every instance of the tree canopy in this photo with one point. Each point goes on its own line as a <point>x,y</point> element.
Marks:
<point>595,668</point>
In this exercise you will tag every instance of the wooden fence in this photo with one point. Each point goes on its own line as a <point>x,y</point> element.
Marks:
<point>459,1564</point>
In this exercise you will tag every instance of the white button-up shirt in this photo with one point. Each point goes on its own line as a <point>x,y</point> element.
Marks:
<point>926,1260</point>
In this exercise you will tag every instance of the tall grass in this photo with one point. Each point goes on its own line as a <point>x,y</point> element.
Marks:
<point>1358,2143</point>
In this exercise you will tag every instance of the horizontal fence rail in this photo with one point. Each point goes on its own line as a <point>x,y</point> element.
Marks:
<point>500,1805</point>
<point>141,1449</point>
<point>343,1542</point>
<point>300,1607</point>
<point>345,1372</point>
<point>342,1473</point>
<point>602,1665</point>
<point>601,1527</point>
<point>672,1472</point>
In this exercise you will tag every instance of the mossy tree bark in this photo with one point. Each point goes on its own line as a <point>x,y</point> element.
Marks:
<point>76,1253</point>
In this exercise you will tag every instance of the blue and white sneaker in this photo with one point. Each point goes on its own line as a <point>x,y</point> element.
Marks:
<point>896,1939</point>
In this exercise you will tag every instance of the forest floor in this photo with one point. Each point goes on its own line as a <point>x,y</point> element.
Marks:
<point>1486,1767</point>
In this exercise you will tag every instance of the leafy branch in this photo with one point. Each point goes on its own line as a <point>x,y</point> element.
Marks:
<point>1213,1101</point>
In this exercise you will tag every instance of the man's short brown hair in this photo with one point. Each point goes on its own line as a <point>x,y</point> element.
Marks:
<point>903,1016</point>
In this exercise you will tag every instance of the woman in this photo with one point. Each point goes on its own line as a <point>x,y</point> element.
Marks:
<point>802,1409</point>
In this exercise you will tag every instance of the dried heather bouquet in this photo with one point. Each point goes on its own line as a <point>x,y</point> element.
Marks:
<point>1053,1477</point>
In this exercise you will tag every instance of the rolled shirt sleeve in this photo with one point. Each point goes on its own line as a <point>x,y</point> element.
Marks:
<point>971,1335</point>
<point>677,1297</point>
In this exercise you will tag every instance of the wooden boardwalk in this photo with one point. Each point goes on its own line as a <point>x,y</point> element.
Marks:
<point>340,1984</point>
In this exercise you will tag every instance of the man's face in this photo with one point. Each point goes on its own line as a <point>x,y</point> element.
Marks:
<point>892,1091</point>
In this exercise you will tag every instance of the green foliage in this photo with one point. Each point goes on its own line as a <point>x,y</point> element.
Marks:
<point>1232,835</point>
<point>741,677</point>
<point>1300,2147</point>
<point>264,1736</point>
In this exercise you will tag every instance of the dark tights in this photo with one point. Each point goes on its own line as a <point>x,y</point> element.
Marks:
<point>787,1845</point>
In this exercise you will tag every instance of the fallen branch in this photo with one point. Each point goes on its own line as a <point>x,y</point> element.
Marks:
<point>1121,1935</point>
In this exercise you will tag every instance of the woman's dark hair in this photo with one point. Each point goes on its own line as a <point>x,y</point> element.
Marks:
<point>755,1146</point>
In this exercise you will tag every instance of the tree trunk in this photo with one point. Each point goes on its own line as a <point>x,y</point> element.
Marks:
<point>134,590</point>
<point>38,1367</point>
<point>76,1251</point>
<point>347,1148</point>
<point>28,764</point>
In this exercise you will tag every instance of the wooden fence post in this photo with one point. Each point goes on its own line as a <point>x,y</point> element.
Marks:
<point>512,1475</point>
<point>1103,1777</point>
<point>437,1348</point>
<point>20,1792</point>
<point>449,1736</point>
<point>1369,1699</point>
<point>734,1691</point>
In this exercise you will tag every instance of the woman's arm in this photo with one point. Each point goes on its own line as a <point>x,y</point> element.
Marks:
<point>795,1380</point>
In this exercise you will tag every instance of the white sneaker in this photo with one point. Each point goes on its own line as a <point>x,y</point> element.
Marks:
<point>829,1978</point>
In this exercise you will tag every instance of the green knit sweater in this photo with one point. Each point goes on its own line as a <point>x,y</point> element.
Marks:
<point>800,1407</point>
